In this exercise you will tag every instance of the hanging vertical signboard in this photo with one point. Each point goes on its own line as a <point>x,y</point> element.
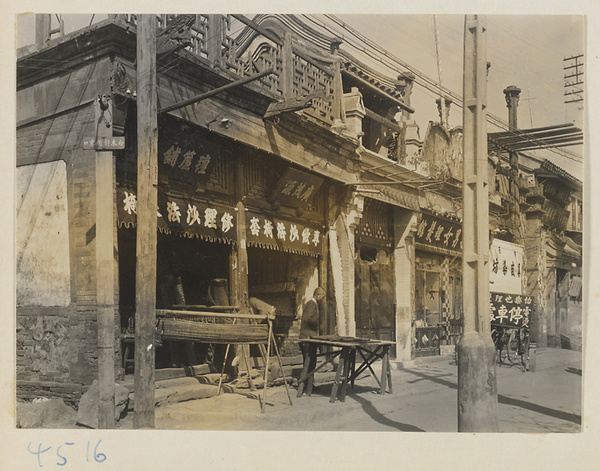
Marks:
<point>506,267</point>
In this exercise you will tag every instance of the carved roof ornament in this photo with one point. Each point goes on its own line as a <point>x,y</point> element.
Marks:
<point>404,84</point>
<point>445,113</point>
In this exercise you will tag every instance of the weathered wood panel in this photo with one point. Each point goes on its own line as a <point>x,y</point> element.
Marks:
<point>63,92</point>
<point>294,138</point>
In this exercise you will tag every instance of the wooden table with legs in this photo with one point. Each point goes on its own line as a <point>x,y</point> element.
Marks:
<point>346,349</point>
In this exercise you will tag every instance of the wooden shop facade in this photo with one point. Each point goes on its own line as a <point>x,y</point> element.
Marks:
<point>276,149</point>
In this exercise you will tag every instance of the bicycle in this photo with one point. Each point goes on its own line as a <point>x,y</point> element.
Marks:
<point>512,345</point>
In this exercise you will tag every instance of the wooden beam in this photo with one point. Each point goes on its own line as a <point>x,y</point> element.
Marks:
<point>214,92</point>
<point>287,66</point>
<point>383,121</point>
<point>241,271</point>
<point>105,268</point>
<point>214,39</point>
<point>288,139</point>
<point>378,90</point>
<point>147,168</point>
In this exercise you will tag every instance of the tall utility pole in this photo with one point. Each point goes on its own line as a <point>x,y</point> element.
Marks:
<point>573,78</point>
<point>512,94</point>
<point>147,175</point>
<point>105,267</point>
<point>477,393</point>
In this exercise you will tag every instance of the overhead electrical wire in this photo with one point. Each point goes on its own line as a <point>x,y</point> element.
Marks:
<point>390,61</point>
<point>426,83</point>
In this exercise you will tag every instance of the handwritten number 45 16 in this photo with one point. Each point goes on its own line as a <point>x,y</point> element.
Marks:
<point>61,453</point>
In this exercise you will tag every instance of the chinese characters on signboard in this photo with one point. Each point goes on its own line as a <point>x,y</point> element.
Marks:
<point>296,189</point>
<point>183,216</point>
<point>510,310</point>
<point>438,232</point>
<point>265,231</point>
<point>185,156</point>
<point>104,143</point>
<point>506,267</point>
<point>211,221</point>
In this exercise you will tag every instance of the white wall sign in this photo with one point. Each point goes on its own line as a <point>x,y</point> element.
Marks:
<point>506,267</point>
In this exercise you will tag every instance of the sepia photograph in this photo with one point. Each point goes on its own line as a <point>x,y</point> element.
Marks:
<point>298,222</point>
<point>275,222</point>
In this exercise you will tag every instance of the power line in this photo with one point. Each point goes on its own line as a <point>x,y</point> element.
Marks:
<point>427,82</point>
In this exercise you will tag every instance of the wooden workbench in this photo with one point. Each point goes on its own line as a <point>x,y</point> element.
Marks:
<point>345,348</point>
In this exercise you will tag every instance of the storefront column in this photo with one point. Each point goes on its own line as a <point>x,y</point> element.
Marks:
<point>404,268</point>
<point>341,251</point>
<point>105,270</point>
<point>239,262</point>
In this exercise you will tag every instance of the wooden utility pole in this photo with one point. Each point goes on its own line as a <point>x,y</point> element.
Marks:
<point>105,267</point>
<point>477,393</point>
<point>147,174</point>
<point>512,94</point>
<point>42,28</point>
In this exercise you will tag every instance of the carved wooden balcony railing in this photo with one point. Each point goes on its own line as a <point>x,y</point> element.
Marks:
<point>296,73</point>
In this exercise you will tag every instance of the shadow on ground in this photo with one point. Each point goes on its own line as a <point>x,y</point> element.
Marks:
<point>539,409</point>
<point>377,416</point>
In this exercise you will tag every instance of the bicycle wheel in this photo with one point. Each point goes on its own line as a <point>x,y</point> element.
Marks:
<point>512,348</point>
<point>503,353</point>
<point>503,356</point>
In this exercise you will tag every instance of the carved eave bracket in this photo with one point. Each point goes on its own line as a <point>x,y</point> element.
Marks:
<point>293,104</point>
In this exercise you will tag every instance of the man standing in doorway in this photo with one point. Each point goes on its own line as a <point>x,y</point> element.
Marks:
<point>309,326</point>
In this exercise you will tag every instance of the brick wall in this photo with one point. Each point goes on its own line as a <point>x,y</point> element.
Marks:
<point>57,347</point>
<point>44,354</point>
<point>54,138</point>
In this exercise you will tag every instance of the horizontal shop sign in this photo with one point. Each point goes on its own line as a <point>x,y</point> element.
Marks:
<point>216,223</point>
<point>104,143</point>
<point>511,310</point>
<point>282,234</point>
<point>296,189</point>
<point>186,155</point>
<point>184,216</point>
<point>436,232</point>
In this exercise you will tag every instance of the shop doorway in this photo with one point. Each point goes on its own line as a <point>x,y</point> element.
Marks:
<point>374,302</point>
<point>186,268</point>
<point>284,280</point>
<point>428,304</point>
